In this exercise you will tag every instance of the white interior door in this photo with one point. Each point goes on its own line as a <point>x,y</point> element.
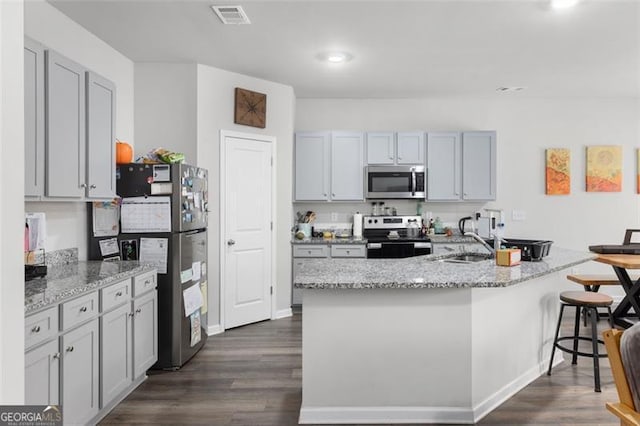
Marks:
<point>247,231</point>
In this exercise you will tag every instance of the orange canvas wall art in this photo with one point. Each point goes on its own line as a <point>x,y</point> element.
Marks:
<point>604,168</point>
<point>558,172</point>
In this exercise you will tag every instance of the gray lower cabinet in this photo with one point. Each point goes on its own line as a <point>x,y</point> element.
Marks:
<point>42,372</point>
<point>145,333</point>
<point>115,353</point>
<point>303,253</point>
<point>80,373</point>
<point>88,358</point>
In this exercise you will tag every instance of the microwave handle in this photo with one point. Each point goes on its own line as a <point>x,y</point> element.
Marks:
<point>413,182</point>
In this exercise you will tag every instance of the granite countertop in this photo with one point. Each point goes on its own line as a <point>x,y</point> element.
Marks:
<point>349,240</point>
<point>66,281</point>
<point>428,272</point>
<point>454,239</point>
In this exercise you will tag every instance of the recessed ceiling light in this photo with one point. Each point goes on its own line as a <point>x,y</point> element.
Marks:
<point>335,57</point>
<point>563,4</point>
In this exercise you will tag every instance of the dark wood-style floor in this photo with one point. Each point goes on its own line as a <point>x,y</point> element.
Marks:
<point>251,375</point>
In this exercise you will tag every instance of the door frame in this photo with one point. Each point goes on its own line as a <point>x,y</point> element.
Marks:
<point>224,134</point>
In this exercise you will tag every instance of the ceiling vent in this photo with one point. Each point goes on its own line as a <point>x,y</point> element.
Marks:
<point>232,15</point>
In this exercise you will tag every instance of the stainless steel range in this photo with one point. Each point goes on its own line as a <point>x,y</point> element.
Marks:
<point>388,238</point>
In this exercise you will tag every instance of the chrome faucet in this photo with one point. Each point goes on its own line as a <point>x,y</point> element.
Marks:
<point>478,238</point>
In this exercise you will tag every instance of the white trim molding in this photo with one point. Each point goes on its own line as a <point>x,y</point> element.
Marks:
<point>283,313</point>
<point>214,329</point>
<point>385,415</point>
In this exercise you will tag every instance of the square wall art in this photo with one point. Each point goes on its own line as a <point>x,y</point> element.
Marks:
<point>604,168</point>
<point>558,172</point>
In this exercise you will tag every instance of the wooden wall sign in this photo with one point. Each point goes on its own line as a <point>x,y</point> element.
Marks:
<point>250,108</point>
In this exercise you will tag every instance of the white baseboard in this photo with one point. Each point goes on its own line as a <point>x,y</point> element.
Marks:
<point>214,329</point>
<point>385,415</point>
<point>495,400</point>
<point>283,313</point>
<point>443,415</point>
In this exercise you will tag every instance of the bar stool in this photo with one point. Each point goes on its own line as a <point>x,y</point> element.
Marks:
<point>590,301</point>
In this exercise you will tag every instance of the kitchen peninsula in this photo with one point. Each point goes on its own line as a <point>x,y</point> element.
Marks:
<point>422,340</point>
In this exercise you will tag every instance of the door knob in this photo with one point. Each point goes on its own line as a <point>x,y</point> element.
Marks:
<point>231,242</point>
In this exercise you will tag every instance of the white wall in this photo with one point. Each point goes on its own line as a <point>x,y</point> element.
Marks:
<point>12,195</point>
<point>165,108</point>
<point>187,105</point>
<point>67,222</point>
<point>216,91</point>
<point>525,128</point>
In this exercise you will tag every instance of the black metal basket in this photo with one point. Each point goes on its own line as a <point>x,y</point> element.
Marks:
<point>531,250</point>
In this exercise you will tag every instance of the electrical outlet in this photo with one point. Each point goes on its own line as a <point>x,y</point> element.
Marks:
<point>518,215</point>
<point>334,217</point>
<point>575,270</point>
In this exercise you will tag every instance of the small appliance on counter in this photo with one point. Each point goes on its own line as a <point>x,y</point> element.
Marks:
<point>392,237</point>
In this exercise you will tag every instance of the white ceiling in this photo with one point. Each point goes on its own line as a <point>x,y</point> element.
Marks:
<point>401,49</point>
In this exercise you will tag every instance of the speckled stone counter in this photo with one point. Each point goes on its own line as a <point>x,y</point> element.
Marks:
<point>65,281</point>
<point>454,239</point>
<point>349,240</point>
<point>428,272</point>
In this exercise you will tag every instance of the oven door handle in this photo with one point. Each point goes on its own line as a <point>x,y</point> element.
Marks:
<point>422,245</point>
<point>413,182</point>
<point>374,245</point>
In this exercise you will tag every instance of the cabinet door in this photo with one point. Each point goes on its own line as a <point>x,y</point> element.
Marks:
<point>80,373</point>
<point>41,377</point>
<point>479,166</point>
<point>380,148</point>
<point>65,153</point>
<point>312,166</point>
<point>410,148</point>
<point>33,119</point>
<point>145,333</point>
<point>296,293</point>
<point>443,166</point>
<point>347,166</point>
<point>115,353</point>
<point>101,163</point>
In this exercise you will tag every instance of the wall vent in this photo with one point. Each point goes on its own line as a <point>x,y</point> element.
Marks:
<point>231,15</point>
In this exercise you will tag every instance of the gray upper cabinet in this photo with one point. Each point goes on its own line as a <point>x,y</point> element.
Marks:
<point>461,166</point>
<point>410,148</point>
<point>65,152</point>
<point>347,166</point>
<point>443,166</point>
<point>381,148</point>
<point>329,166</point>
<point>101,101</point>
<point>391,148</point>
<point>33,119</point>
<point>312,156</point>
<point>479,166</point>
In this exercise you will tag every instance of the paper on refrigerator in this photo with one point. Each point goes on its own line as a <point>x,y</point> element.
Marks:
<point>145,214</point>
<point>192,298</point>
<point>155,251</point>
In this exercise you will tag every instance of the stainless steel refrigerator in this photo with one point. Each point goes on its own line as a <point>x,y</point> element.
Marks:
<point>163,220</point>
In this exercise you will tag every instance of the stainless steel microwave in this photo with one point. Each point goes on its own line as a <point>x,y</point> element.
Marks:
<point>395,182</point>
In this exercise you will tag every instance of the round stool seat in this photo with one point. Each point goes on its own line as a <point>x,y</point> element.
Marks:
<point>586,298</point>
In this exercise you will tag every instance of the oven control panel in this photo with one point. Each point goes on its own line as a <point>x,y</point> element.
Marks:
<point>389,222</point>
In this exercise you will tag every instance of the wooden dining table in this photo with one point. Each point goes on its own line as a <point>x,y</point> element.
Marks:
<point>621,263</point>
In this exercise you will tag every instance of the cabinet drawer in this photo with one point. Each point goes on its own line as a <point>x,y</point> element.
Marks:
<point>348,250</point>
<point>309,250</point>
<point>78,310</point>
<point>115,295</point>
<point>40,327</point>
<point>143,283</point>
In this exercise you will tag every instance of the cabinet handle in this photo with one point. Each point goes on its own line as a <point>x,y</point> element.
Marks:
<point>138,310</point>
<point>130,314</point>
<point>36,329</point>
<point>69,348</point>
<point>92,187</point>
<point>83,185</point>
<point>348,252</point>
<point>391,157</point>
<point>147,282</point>
<point>333,195</point>
<point>83,309</point>
<point>399,158</point>
<point>118,294</point>
<point>56,355</point>
<point>309,251</point>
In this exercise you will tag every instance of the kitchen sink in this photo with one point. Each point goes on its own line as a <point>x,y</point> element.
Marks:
<point>467,258</point>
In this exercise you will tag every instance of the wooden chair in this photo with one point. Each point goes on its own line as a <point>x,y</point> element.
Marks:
<point>625,409</point>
